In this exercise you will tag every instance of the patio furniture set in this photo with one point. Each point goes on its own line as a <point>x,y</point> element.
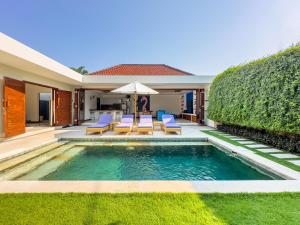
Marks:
<point>127,125</point>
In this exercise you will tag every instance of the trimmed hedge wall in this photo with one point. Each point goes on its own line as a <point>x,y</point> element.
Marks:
<point>263,94</point>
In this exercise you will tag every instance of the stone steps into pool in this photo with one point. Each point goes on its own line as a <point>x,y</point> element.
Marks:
<point>52,164</point>
<point>21,164</point>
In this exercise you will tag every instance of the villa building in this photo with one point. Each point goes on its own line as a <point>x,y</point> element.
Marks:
<point>36,89</point>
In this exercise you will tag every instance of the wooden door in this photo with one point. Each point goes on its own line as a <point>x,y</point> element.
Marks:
<point>14,107</point>
<point>63,107</point>
<point>76,108</point>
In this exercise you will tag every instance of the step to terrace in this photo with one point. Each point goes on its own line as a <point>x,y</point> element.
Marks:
<point>19,165</point>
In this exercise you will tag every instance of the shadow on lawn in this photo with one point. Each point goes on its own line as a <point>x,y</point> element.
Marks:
<point>258,208</point>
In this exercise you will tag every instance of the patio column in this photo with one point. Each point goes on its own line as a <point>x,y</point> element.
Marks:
<point>200,100</point>
<point>76,108</point>
<point>202,105</point>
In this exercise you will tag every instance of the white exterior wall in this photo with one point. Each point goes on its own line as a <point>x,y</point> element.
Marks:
<point>169,102</point>
<point>90,102</point>
<point>108,99</point>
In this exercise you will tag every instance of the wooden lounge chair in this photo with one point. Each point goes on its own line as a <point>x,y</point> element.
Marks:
<point>169,124</point>
<point>145,125</point>
<point>126,124</point>
<point>102,125</point>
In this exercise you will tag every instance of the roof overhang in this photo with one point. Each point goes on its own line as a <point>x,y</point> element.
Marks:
<point>164,82</point>
<point>18,55</point>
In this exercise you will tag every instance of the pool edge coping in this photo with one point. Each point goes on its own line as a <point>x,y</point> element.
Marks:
<point>265,186</point>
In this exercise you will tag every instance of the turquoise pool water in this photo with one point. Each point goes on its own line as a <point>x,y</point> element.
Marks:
<point>199,162</point>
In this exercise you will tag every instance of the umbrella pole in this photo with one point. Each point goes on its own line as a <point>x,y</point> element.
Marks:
<point>134,108</point>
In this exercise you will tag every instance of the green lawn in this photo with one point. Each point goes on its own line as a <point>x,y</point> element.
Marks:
<point>152,208</point>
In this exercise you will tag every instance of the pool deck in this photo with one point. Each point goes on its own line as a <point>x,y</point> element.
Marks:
<point>41,137</point>
<point>149,186</point>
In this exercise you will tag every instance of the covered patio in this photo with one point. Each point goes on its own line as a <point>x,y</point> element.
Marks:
<point>180,93</point>
<point>180,103</point>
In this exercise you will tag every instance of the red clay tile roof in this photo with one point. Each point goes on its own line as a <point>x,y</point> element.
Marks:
<point>141,69</point>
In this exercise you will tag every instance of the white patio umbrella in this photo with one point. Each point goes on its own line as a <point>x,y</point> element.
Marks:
<point>135,88</point>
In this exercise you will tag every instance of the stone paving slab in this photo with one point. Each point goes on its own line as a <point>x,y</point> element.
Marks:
<point>285,156</point>
<point>268,150</point>
<point>231,137</point>
<point>295,162</point>
<point>257,146</point>
<point>240,139</point>
<point>246,142</point>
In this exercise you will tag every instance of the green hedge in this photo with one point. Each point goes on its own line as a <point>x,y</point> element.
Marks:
<point>263,94</point>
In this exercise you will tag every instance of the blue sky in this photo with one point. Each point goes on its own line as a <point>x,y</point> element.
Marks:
<point>202,37</point>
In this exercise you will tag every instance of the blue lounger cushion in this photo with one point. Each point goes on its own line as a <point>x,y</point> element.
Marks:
<point>145,125</point>
<point>145,121</point>
<point>172,125</point>
<point>99,125</point>
<point>104,121</point>
<point>124,125</point>
<point>126,121</point>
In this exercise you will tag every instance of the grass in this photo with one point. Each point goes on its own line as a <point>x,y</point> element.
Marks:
<point>150,208</point>
<point>283,162</point>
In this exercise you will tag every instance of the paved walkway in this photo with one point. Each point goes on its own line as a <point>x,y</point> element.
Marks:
<point>262,149</point>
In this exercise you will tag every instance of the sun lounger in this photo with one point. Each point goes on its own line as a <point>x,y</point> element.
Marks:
<point>169,124</point>
<point>126,124</point>
<point>145,125</point>
<point>103,124</point>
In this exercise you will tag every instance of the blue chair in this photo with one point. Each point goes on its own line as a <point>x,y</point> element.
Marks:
<point>159,114</point>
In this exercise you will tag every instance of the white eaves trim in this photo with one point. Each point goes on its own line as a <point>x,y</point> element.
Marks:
<point>169,79</point>
<point>11,48</point>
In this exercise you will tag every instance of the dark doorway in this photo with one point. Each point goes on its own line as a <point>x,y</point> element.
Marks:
<point>44,107</point>
<point>98,104</point>
<point>189,102</point>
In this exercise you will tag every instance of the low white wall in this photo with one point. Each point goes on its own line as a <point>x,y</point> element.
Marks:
<point>32,101</point>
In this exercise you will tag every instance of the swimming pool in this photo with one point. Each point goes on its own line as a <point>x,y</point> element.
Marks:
<point>147,162</point>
